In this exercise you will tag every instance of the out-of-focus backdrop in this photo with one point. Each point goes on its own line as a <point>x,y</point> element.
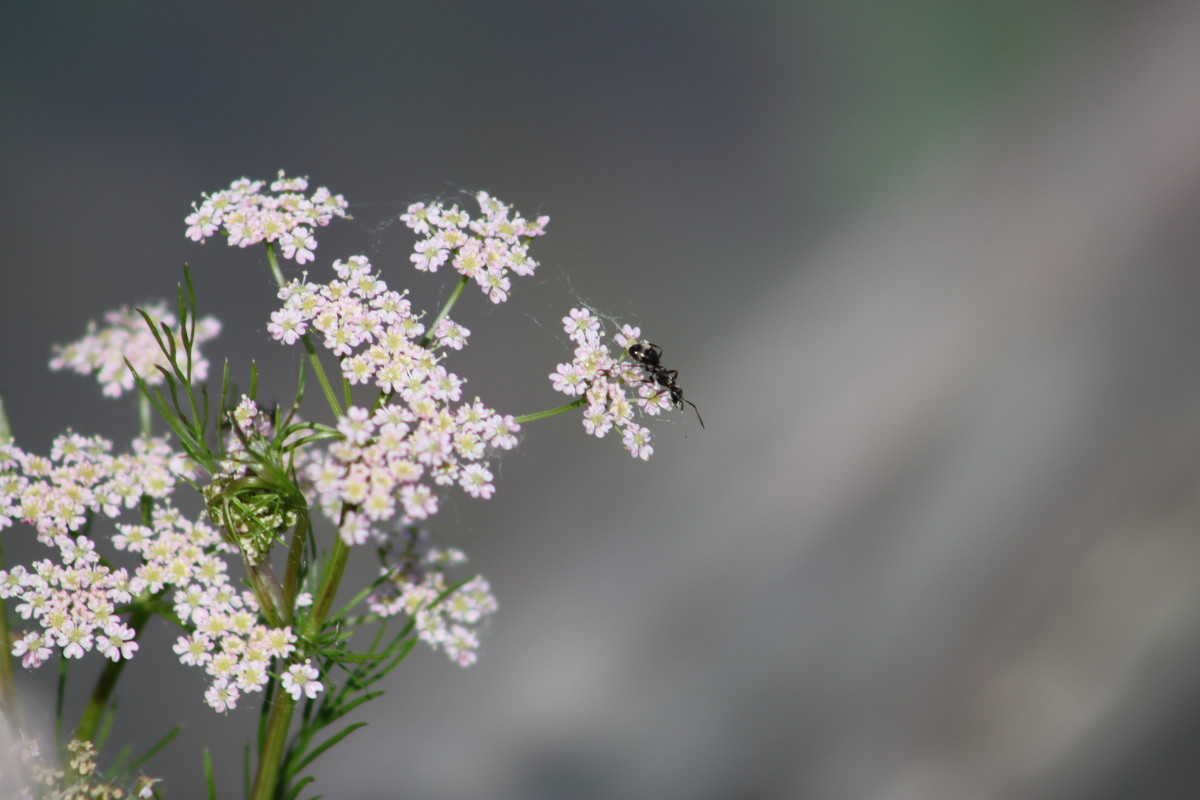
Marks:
<point>930,271</point>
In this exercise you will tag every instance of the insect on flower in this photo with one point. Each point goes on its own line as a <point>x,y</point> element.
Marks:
<point>648,356</point>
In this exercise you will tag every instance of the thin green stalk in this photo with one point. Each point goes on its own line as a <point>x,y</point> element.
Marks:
<point>330,581</point>
<point>274,744</point>
<point>322,379</point>
<point>552,412</point>
<point>145,414</point>
<point>309,347</point>
<point>93,713</point>
<point>6,435</point>
<point>273,260</point>
<point>274,740</point>
<point>60,699</point>
<point>268,592</point>
<point>458,290</point>
<point>291,577</point>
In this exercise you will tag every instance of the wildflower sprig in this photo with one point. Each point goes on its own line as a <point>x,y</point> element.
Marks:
<point>29,773</point>
<point>603,383</point>
<point>417,435</point>
<point>484,249</point>
<point>129,338</point>
<point>178,368</point>
<point>282,215</point>
<point>249,585</point>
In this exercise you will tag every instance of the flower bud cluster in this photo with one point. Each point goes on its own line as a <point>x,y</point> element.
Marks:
<point>484,249</point>
<point>245,497</point>
<point>249,216</point>
<point>126,336</point>
<point>605,381</point>
<point>416,585</point>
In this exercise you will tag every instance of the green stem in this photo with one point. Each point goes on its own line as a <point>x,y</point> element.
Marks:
<point>458,290</point>
<point>551,412</point>
<point>331,579</point>
<point>270,756</point>
<point>93,713</point>
<point>309,347</point>
<point>291,578</point>
<point>267,591</point>
<point>274,742</point>
<point>6,434</point>
<point>106,683</point>
<point>145,415</point>
<point>273,260</point>
<point>60,699</point>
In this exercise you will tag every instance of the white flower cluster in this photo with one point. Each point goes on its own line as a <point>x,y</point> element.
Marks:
<point>250,216</point>
<point>126,336</point>
<point>226,639</point>
<point>416,437</point>
<point>605,380</point>
<point>483,249</point>
<point>391,460</point>
<point>73,601</point>
<point>443,619</point>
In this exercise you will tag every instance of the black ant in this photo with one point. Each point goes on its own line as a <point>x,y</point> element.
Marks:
<point>648,356</point>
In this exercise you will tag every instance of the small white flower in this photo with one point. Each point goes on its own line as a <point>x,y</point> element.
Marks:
<point>302,679</point>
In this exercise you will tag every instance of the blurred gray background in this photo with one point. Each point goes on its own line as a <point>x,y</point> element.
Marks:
<point>929,270</point>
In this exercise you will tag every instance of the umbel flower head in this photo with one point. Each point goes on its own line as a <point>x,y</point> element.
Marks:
<point>282,215</point>
<point>103,350</point>
<point>419,434</point>
<point>606,380</point>
<point>379,469</point>
<point>414,582</point>
<point>121,551</point>
<point>484,249</point>
<point>74,601</point>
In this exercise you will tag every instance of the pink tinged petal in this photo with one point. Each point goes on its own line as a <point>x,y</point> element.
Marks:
<point>222,696</point>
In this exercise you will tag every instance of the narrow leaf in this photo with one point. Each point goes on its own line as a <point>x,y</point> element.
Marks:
<point>328,743</point>
<point>299,787</point>
<point>210,779</point>
<point>156,747</point>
